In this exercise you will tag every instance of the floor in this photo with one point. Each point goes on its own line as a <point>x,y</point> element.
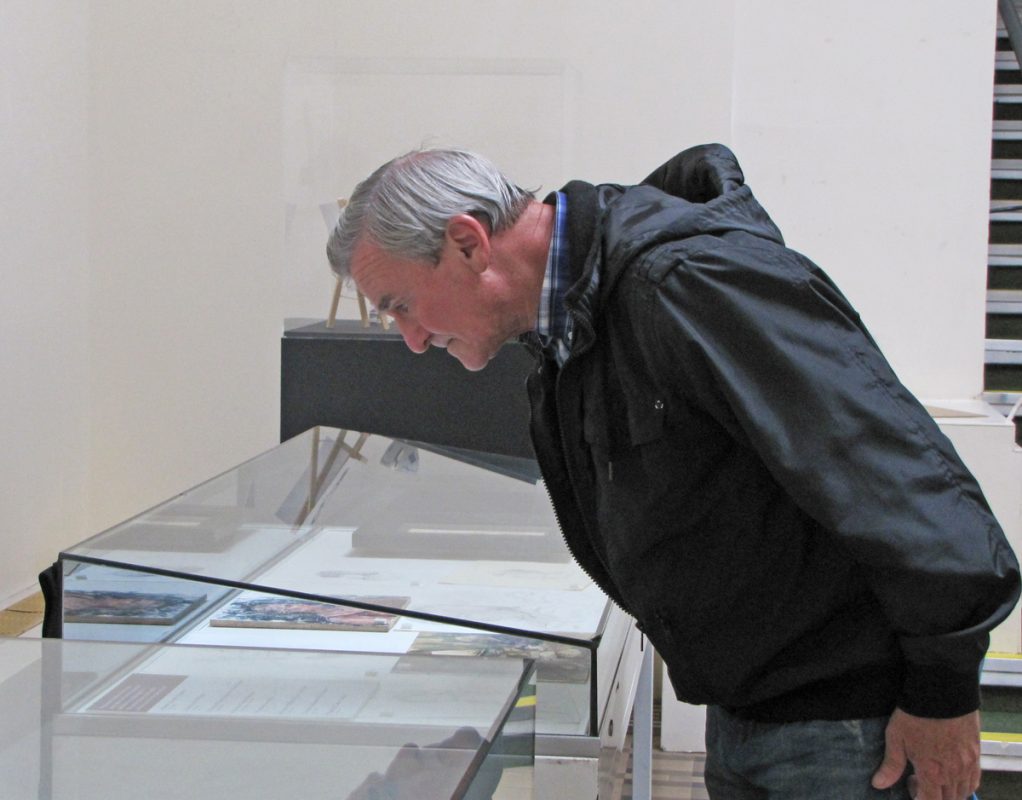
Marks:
<point>676,776</point>
<point>22,617</point>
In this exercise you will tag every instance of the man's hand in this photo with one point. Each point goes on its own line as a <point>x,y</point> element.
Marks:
<point>944,754</point>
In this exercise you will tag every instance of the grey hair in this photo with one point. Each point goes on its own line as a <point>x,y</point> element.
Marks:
<point>404,206</point>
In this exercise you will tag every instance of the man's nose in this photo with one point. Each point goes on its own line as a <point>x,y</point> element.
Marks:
<point>415,336</point>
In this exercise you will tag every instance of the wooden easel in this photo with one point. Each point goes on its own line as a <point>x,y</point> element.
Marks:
<point>317,476</point>
<point>362,308</point>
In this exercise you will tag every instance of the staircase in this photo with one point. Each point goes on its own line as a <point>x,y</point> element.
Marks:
<point>1001,744</point>
<point>1003,369</point>
<point>1002,673</point>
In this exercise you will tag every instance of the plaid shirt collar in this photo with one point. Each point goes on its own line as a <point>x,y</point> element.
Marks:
<point>553,325</point>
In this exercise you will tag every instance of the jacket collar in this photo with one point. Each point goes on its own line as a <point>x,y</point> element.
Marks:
<point>584,217</point>
<point>701,190</point>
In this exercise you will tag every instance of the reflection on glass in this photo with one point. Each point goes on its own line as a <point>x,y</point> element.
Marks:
<point>95,721</point>
<point>420,549</point>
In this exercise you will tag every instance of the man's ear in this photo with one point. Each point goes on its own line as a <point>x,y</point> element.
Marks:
<point>471,239</point>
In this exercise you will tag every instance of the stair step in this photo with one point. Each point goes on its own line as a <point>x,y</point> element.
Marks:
<point>1004,267</point>
<point>1007,139</point>
<point>1002,669</point>
<point>1002,362</point>
<point>1005,60</point>
<point>1001,740</point>
<point>1003,232</point>
<point>1007,168</point>
<point>1005,219</point>
<point>1007,188</point>
<point>1001,786</point>
<point>1006,71</point>
<point>1002,401</point>
<point>996,723</point>
<point>1008,743</point>
<point>1004,278</point>
<point>1006,172</point>
<point>1003,326</point>
<point>1007,101</point>
<point>1005,255</point>
<point>1007,93</point>
<point>1005,378</point>
<point>1004,322</point>
<point>1004,301</point>
<point>1006,210</point>
<point>999,756</point>
<point>1003,351</point>
<point>1007,129</point>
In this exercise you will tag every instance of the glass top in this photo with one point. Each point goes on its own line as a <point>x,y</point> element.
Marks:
<point>384,524</point>
<point>89,720</point>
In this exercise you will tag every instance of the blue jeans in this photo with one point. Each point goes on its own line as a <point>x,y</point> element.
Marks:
<point>816,760</point>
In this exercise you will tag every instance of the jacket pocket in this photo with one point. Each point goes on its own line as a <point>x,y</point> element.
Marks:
<point>671,647</point>
<point>646,420</point>
<point>616,428</point>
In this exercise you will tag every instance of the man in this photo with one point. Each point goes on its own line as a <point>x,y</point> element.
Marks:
<point>729,455</point>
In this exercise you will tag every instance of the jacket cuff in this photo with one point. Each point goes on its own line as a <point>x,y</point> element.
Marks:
<point>936,691</point>
<point>942,674</point>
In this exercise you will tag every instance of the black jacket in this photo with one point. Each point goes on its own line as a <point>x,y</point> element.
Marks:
<point>732,459</point>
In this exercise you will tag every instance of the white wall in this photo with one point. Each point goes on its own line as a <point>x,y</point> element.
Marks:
<point>186,148</point>
<point>864,128</point>
<point>218,130</point>
<point>549,91</point>
<point>186,243</point>
<point>45,289</point>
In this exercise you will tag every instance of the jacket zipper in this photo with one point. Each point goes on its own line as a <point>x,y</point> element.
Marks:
<point>577,321</point>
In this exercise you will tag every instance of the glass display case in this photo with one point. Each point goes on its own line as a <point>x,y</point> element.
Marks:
<point>338,540</point>
<point>104,721</point>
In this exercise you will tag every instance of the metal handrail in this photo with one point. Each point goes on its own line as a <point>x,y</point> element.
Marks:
<point>1013,25</point>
